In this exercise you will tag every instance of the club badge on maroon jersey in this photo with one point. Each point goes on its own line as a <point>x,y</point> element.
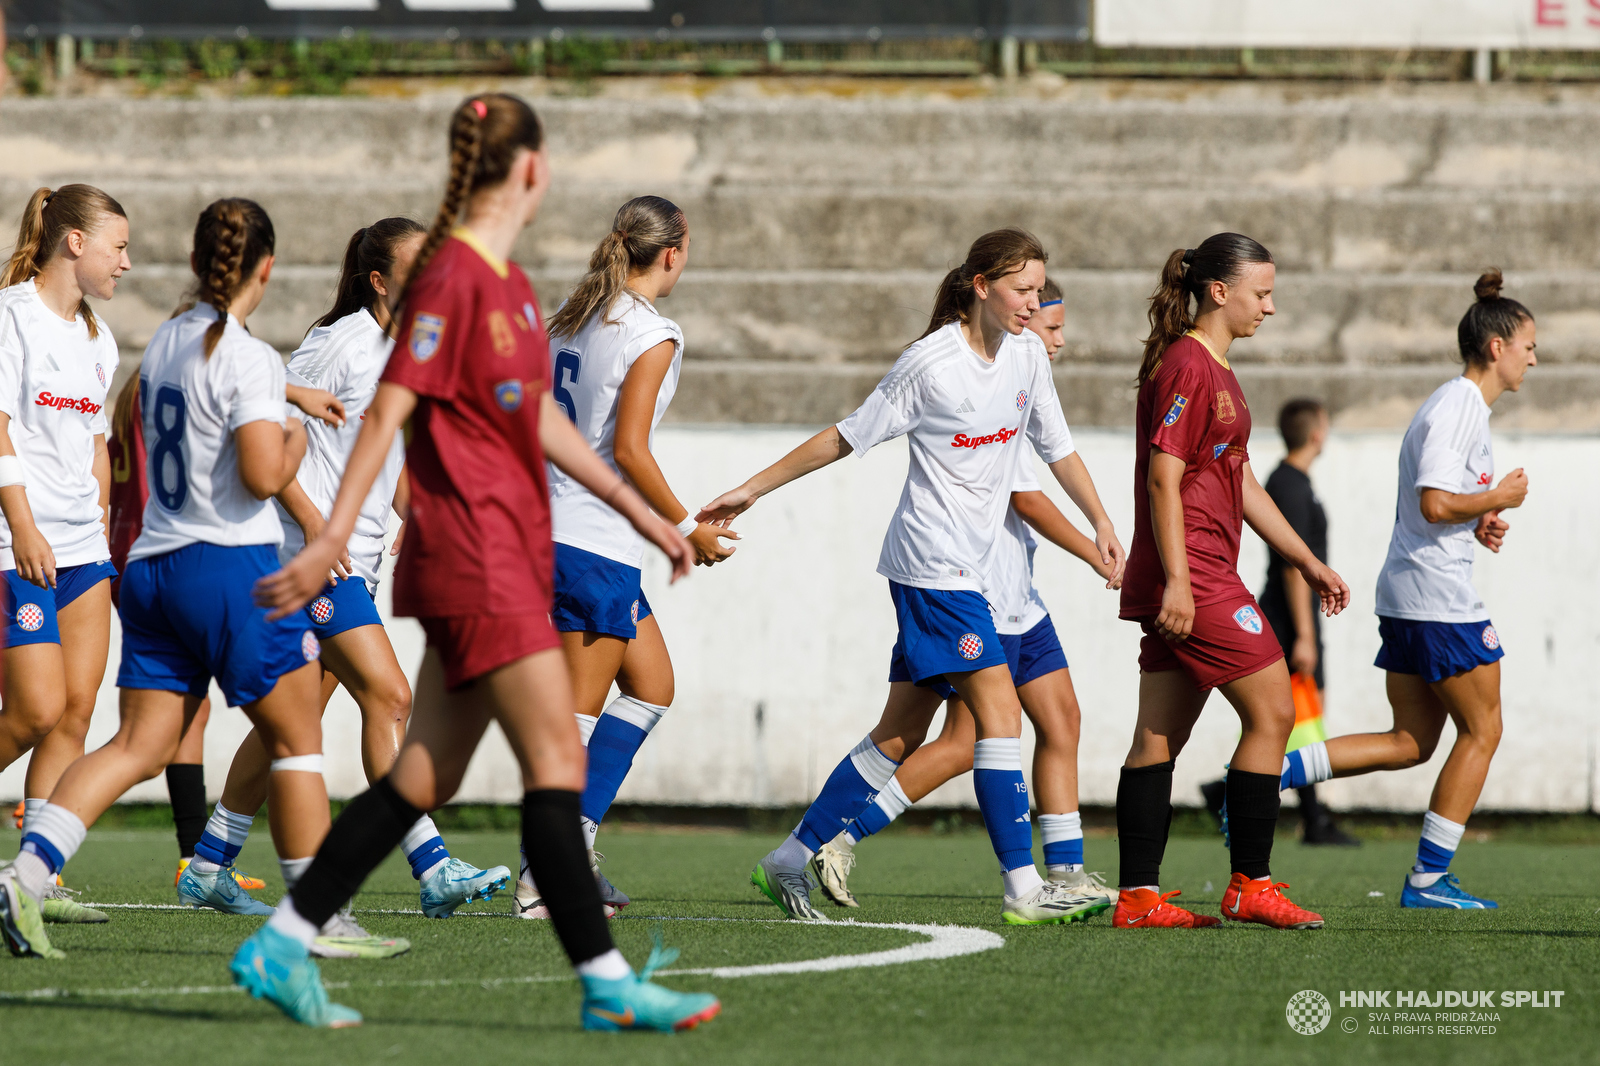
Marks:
<point>1175,412</point>
<point>508,394</point>
<point>970,646</point>
<point>501,339</point>
<point>426,332</point>
<point>1248,619</point>
<point>1226,412</point>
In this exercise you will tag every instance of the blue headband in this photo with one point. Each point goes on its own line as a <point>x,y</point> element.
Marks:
<point>1048,303</point>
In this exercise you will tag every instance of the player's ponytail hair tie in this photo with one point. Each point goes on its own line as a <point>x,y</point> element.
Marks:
<point>643,228</point>
<point>1188,256</point>
<point>72,207</point>
<point>480,109</point>
<point>1185,276</point>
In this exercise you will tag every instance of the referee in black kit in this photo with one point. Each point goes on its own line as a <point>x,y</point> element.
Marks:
<point>1287,601</point>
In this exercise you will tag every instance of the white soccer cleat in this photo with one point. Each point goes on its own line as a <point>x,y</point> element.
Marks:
<point>789,887</point>
<point>1052,904</point>
<point>831,867</point>
<point>343,938</point>
<point>528,903</point>
<point>1083,883</point>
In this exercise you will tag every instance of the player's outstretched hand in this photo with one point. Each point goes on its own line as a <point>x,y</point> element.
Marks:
<point>1491,531</point>
<point>726,507</point>
<point>288,590</point>
<point>1176,620</point>
<point>706,540</point>
<point>665,536</point>
<point>1335,594</point>
<point>318,403</point>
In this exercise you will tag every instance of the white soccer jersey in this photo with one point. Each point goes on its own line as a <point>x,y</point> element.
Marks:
<point>964,417</point>
<point>1428,574</point>
<point>346,359</point>
<point>191,406</point>
<point>1013,600</point>
<point>53,380</point>
<point>588,371</point>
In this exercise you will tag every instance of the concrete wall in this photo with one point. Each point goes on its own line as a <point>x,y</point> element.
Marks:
<point>781,653</point>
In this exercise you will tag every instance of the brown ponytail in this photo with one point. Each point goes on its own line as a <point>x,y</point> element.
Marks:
<point>994,255</point>
<point>230,240</point>
<point>122,410</point>
<point>1220,257</point>
<point>46,221</point>
<point>370,248</point>
<point>644,227</point>
<point>485,133</point>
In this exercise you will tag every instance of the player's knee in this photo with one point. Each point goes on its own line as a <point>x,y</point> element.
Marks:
<point>390,701</point>
<point>34,719</point>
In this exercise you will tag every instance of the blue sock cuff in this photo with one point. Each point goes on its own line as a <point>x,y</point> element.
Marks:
<point>1064,853</point>
<point>214,849</point>
<point>1432,858</point>
<point>45,850</point>
<point>423,856</point>
<point>1295,775</point>
<point>872,820</point>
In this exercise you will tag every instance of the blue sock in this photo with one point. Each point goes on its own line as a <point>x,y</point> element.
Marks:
<point>1440,839</point>
<point>872,820</point>
<point>224,836</point>
<point>1304,766</point>
<point>618,735</point>
<point>846,794</point>
<point>891,803</point>
<point>46,851</point>
<point>1063,838</point>
<point>423,847</point>
<point>1003,799</point>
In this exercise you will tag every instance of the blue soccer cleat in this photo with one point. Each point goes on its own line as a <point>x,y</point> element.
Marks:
<point>1445,893</point>
<point>276,968</point>
<point>456,883</point>
<point>218,890</point>
<point>632,1002</point>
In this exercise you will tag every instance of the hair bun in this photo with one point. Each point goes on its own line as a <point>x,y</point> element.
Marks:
<point>1489,285</point>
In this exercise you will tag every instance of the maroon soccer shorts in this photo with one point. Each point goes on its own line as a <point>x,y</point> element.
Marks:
<point>1230,640</point>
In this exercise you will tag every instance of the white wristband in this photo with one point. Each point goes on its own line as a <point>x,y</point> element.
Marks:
<point>11,471</point>
<point>688,525</point>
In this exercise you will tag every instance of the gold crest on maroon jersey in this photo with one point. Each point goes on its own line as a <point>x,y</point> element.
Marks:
<point>1225,409</point>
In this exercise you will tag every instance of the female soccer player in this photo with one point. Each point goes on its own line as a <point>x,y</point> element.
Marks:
<point>1440,652</point>
<point>1202,629</point>
<point>616,370</point>
<point>343,354</point>
<point>56,360</point>
<point>1044,686</point>
<point>218,449</point>
<point>964,392</point>
<point>470,371</point>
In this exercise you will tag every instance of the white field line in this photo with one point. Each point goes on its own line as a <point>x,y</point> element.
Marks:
<point>944,942</point>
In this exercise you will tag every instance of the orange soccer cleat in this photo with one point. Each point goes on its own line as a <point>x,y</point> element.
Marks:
<point>1262,901</point>
<point>19,811</point>
<point>1142,908</point>
<point>242,879</point>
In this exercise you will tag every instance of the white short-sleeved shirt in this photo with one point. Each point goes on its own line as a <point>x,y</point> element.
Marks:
<point>965,418</point>
<point>588,371</point>
<point>1013,600</point>
<point>1428,574</point>
<point>191,406</point>
<point>346,359</point>
<point>53,379</point>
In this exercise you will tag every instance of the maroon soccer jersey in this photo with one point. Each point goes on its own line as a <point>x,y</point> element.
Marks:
<point>1190,407</point>
<point>472,346</point>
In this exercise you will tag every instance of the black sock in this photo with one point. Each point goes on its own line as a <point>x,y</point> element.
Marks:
<point>559,861</point>
<point>1252,819</point>
<point>368,830</point>
<point>1310,810</point>
<point>1144,816</point>
<point>186,788</point>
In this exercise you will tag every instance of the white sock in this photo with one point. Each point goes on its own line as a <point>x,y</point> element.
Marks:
<point>1314,757</point>
<point>1422,880</point>
<point>226,825</point>
<point>585,726</point>
<point>1066,868</point>
<point>608,967</point>
<point>287,921</point>
<point>636,712</point>
<point>203,866</point>
<point>421,831</point>
<point>892,800</point>
<point>62,829</point>
<point>1022,880</point>
<point>590,831</point>
<point>30,810</point>
<point>791,852</point>
<point>33,873</point>
<point>293,870</point>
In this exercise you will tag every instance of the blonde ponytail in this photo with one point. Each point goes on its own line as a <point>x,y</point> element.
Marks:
<point>643,228</point>
<point>46,221</point>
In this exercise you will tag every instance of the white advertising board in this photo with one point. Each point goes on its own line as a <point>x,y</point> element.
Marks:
<point>1448,24</point>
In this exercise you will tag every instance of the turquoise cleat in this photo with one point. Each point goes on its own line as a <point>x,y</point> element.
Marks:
<point>456,883</point>
<point>276,968</point>
<point>219,891</point>
<point>632,1002</point>
<point>1444,894</point>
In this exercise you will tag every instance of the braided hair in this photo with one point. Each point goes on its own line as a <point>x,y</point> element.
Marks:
<point>486,132</point>
<point>230,240</point>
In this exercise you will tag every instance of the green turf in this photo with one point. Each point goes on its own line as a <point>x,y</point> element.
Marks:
<point>480,989</point>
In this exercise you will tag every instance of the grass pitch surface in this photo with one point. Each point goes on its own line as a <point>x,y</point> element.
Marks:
<point>152,986</point>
